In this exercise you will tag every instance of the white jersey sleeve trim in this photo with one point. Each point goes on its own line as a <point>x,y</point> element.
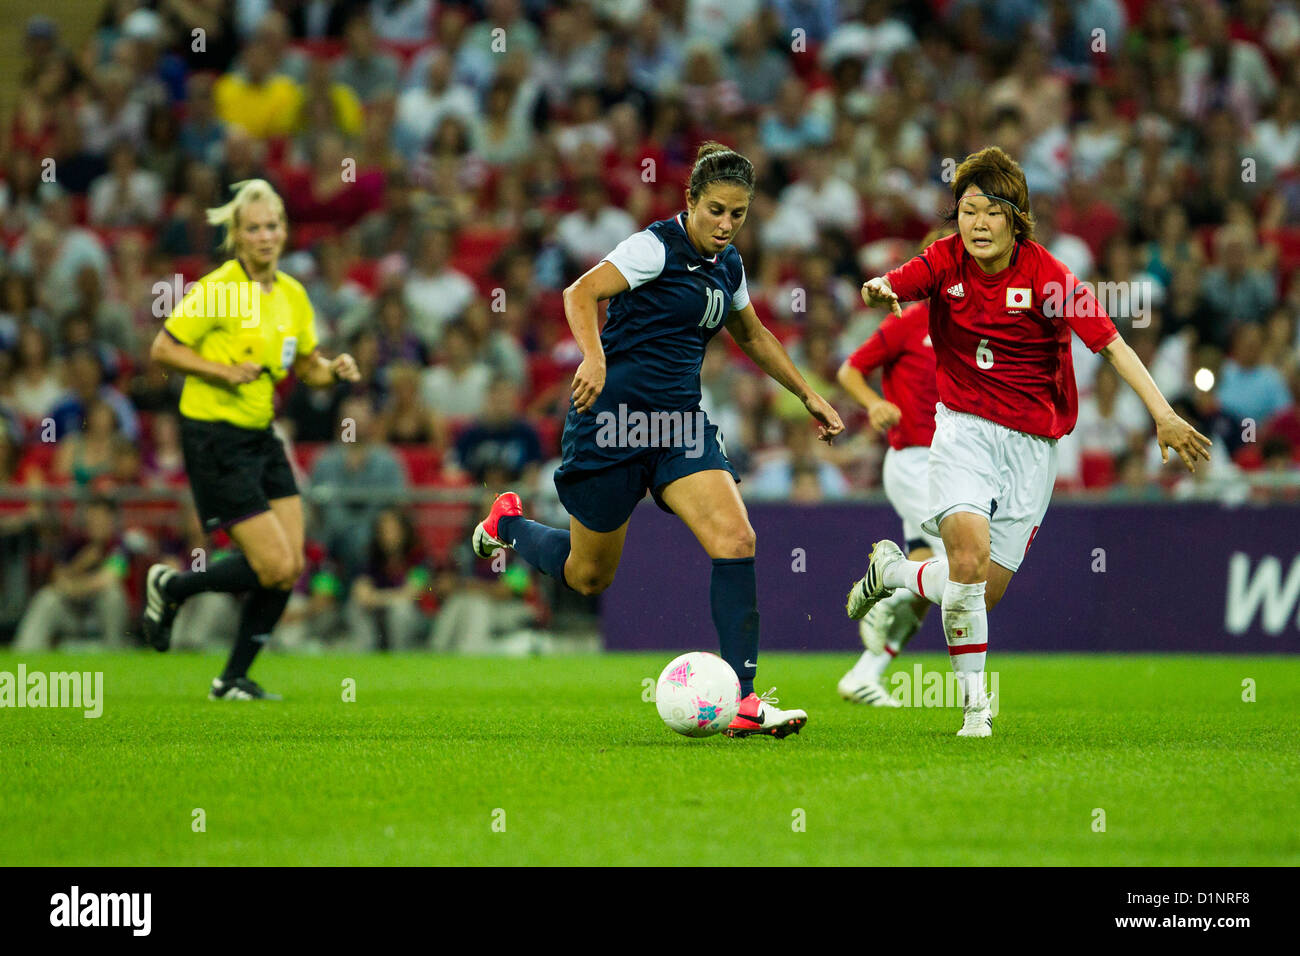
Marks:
<point>740,298</point>
<point>640,257</point>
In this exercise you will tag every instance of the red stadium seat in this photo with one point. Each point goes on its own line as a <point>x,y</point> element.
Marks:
<point>422,462</point>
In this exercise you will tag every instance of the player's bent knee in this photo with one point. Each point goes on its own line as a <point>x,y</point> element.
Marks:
<point>590,584</point>
<point>968,565</point>
<point>274,571</point>
<point>736,543</point>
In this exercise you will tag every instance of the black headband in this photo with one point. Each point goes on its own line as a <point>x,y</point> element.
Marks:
<point>998,198</point>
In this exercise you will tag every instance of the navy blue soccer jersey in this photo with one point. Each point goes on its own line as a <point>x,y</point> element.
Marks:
<point>655,333</point>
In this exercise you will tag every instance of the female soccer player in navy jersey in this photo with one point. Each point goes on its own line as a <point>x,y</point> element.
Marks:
<point>635,423</point>
<point>1001,312</point>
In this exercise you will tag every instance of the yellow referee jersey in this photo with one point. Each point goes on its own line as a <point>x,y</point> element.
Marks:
<point>226,317</point>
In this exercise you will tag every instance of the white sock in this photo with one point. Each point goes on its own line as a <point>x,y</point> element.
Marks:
<point>871,666</point>
<point>927,579</point>
<point>966,628</point>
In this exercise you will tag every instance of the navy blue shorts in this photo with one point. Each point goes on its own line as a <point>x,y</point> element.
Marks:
<point>603,499</point>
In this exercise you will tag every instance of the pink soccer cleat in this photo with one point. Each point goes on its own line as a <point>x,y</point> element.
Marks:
<point>487,541</point>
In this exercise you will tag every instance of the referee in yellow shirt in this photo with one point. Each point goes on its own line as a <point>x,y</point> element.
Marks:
<point>238,331</point>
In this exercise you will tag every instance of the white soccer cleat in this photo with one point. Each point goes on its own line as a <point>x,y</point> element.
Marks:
<point>860,689</point>
<point>871,590</point>
<point>875,627</point>
<point>978,720</point>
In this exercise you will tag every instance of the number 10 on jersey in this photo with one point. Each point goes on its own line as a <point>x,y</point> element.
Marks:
<point>713,309</point>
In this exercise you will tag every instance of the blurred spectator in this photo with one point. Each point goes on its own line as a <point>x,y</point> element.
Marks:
<point>383,609</point>
<point>36,380</point>
<point>321,195</point>
<point>421,109</point>
<point>1110,418</point>
<point>257,99</point>
<point>502,136</point>
<point>1234,291</point>
<point>436,293</point>
<point>591,232</point>
<point>456,385</point>
<point>51,255</point>
<point>187,231</point>
<point>110,116</point>
<point>759,71</point>
<point>126,195</point>
<point>830,202</point>
<point>1218,71</point>
<point>84,456</point>
<point>479,52</point>
<point>790,128</point>
<point>876,36</point>
<point>405,420</point>
<point>1248,388</point>
<point>1275,140</point>
<point>201,133</point>
<point>367,70</point>
<point>500,440</point>
<point>84,381</point>
<point>774,478</point>
<point>273,30</point>
<point>403,21</point>
<point>328,106</point>
<point>341,479</point>
<point>85,592</point>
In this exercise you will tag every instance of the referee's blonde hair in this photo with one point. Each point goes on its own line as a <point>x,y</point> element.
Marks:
<point>247,191</point>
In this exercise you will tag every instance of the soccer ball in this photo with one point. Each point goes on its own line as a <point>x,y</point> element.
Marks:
<point>698,694</point>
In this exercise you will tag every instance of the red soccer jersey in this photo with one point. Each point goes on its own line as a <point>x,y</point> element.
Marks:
<point>1001,342</point>
<point>901,349</point>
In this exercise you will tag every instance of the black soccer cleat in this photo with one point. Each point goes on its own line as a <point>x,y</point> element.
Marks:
<point>241,688</point>
<point>159,610</point>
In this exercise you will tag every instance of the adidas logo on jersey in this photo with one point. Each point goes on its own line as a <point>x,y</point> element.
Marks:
<point>957,292</point>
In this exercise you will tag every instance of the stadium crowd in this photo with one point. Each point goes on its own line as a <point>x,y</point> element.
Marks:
<point>449,167</point>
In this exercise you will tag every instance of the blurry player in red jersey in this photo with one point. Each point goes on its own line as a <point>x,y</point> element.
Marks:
<point>902,350</point>
<point>1001,312</point>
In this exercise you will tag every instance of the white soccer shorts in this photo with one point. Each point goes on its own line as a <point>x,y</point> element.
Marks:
<point>906,477</point>
<point>984,468</point>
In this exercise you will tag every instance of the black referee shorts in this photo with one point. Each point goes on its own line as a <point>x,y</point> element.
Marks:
<point>235,473</point>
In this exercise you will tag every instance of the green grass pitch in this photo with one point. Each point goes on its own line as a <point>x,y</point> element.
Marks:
<point>559,761</point>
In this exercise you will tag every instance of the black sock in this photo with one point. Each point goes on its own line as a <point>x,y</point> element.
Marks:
<point>733,596</point>
<point>227,575</point>
<point>262,609</point>
<point>542,546</point>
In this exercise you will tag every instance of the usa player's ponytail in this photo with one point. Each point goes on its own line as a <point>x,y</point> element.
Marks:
<point>715,163</point>
<point>999,177</point>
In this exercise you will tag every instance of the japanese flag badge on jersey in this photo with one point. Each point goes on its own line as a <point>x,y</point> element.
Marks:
<point>1019,298</point>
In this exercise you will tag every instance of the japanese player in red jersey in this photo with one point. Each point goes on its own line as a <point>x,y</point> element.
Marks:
<point>901,348</point>
<point>1000,324</point>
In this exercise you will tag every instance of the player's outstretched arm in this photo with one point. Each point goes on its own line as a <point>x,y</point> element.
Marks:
<point>876,292</point>
<point>602,281</point>
<point>766,351</point>
<point>883,415</point>
<point>1171,430</point>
